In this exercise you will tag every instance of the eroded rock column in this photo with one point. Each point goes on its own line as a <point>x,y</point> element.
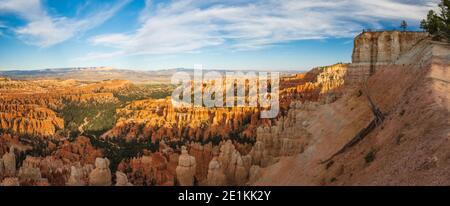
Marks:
<point>76,177</point>
<point>122,179</point>
<point>101,175</point>
<point>9,162</point>
<point>215,174</point>
<point>186,168</point>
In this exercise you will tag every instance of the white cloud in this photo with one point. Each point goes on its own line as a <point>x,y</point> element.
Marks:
<point>27,9</point>
<point>44,30</point>
<point>190,25</point>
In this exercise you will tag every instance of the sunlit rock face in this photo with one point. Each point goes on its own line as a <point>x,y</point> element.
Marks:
<point>159,119</point>
<point>321,84</point>
<point>384,47</point>
<point>331,79</point>
<point>29,119</point>
<point>372,50</point>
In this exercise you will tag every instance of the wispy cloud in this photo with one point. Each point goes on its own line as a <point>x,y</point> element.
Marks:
<point>146,12</point>
<point>44,30</point>
<point>189,25</point>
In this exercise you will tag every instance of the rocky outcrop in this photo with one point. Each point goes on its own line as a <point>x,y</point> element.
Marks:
<point>384,47</point>
<point>373,50</point>
<point>101,175</point>
<point>186,168</point>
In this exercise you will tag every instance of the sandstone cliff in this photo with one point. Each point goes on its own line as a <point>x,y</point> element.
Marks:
<point>373,50</point>
<point>384,47</point>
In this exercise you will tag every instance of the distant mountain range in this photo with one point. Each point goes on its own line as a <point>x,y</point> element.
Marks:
<point>105,73</point>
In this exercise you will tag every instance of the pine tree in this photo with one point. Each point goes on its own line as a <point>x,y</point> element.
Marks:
<point>438,25</point>
<point>404,25</point>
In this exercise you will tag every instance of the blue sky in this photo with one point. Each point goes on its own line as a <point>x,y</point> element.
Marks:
<point>157,34</point>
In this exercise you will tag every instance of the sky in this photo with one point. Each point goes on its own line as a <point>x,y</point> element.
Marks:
<point>157,34</point>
